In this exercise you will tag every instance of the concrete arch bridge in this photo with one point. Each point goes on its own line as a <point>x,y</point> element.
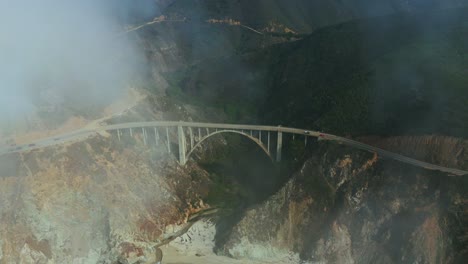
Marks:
<point>191,135</point>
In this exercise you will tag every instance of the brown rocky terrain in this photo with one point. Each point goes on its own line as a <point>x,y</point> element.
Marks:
<point>346,206</point>
<point>443,150</point>
<point>99,200</point>
<point>93,201</point>
<point>102,200</point>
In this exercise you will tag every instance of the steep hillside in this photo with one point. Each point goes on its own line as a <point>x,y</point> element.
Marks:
<point>391,75</point>
<point>98,200</point>
<point>93,202</point>
<point>301,16</point>
<point>186,32</point>
<point>386,76</point>
<point>346,206</point>
<point>443,150</point>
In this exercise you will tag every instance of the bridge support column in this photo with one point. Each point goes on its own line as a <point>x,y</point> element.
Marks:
<point>191,137</point>
<point>269,142</point>
<point>156,136</point>
<point>168,141</point>
<point>279,146</point>
<point>182,146</point>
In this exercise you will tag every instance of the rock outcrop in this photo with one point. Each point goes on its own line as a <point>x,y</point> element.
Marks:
<point>95,201</point>
<point>347,206</point>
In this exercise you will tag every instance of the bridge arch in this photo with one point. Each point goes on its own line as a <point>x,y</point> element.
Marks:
<point>257,141</point>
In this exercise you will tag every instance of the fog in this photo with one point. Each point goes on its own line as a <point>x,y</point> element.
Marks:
<point>64,57</point>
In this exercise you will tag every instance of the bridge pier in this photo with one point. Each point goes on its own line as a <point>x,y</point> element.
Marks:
<point>269,142</point>
<point>191,137</point>
<point>279,146</point>
<point>156,136</point>
<point>168,141</point>
<point>182,146</point>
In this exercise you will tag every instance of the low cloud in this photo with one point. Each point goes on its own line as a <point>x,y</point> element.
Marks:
<point>60,55</point>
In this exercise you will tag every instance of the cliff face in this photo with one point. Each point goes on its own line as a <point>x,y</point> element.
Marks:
<point>443,150</point>
<point>99,200</point>
<point>346,206</point>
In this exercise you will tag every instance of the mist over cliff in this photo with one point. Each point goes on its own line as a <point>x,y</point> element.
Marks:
<point>63,56</point>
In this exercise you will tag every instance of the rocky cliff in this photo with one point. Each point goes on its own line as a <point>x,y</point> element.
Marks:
<point>347,206</point>
<point>97,200</point>
<point>93,202</point>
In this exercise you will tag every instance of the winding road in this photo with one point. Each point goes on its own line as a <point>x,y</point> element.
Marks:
<point>84,133</point>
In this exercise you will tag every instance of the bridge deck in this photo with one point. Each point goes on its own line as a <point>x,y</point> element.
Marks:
<point>82,133</point>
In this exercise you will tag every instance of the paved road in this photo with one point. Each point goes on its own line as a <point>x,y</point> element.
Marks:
<point>86,132</point>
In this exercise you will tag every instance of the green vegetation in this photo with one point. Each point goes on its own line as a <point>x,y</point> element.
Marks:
<point>401,74</point>
<point>394,75</point>
<point>234,109</point>
<point>225,193</point>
